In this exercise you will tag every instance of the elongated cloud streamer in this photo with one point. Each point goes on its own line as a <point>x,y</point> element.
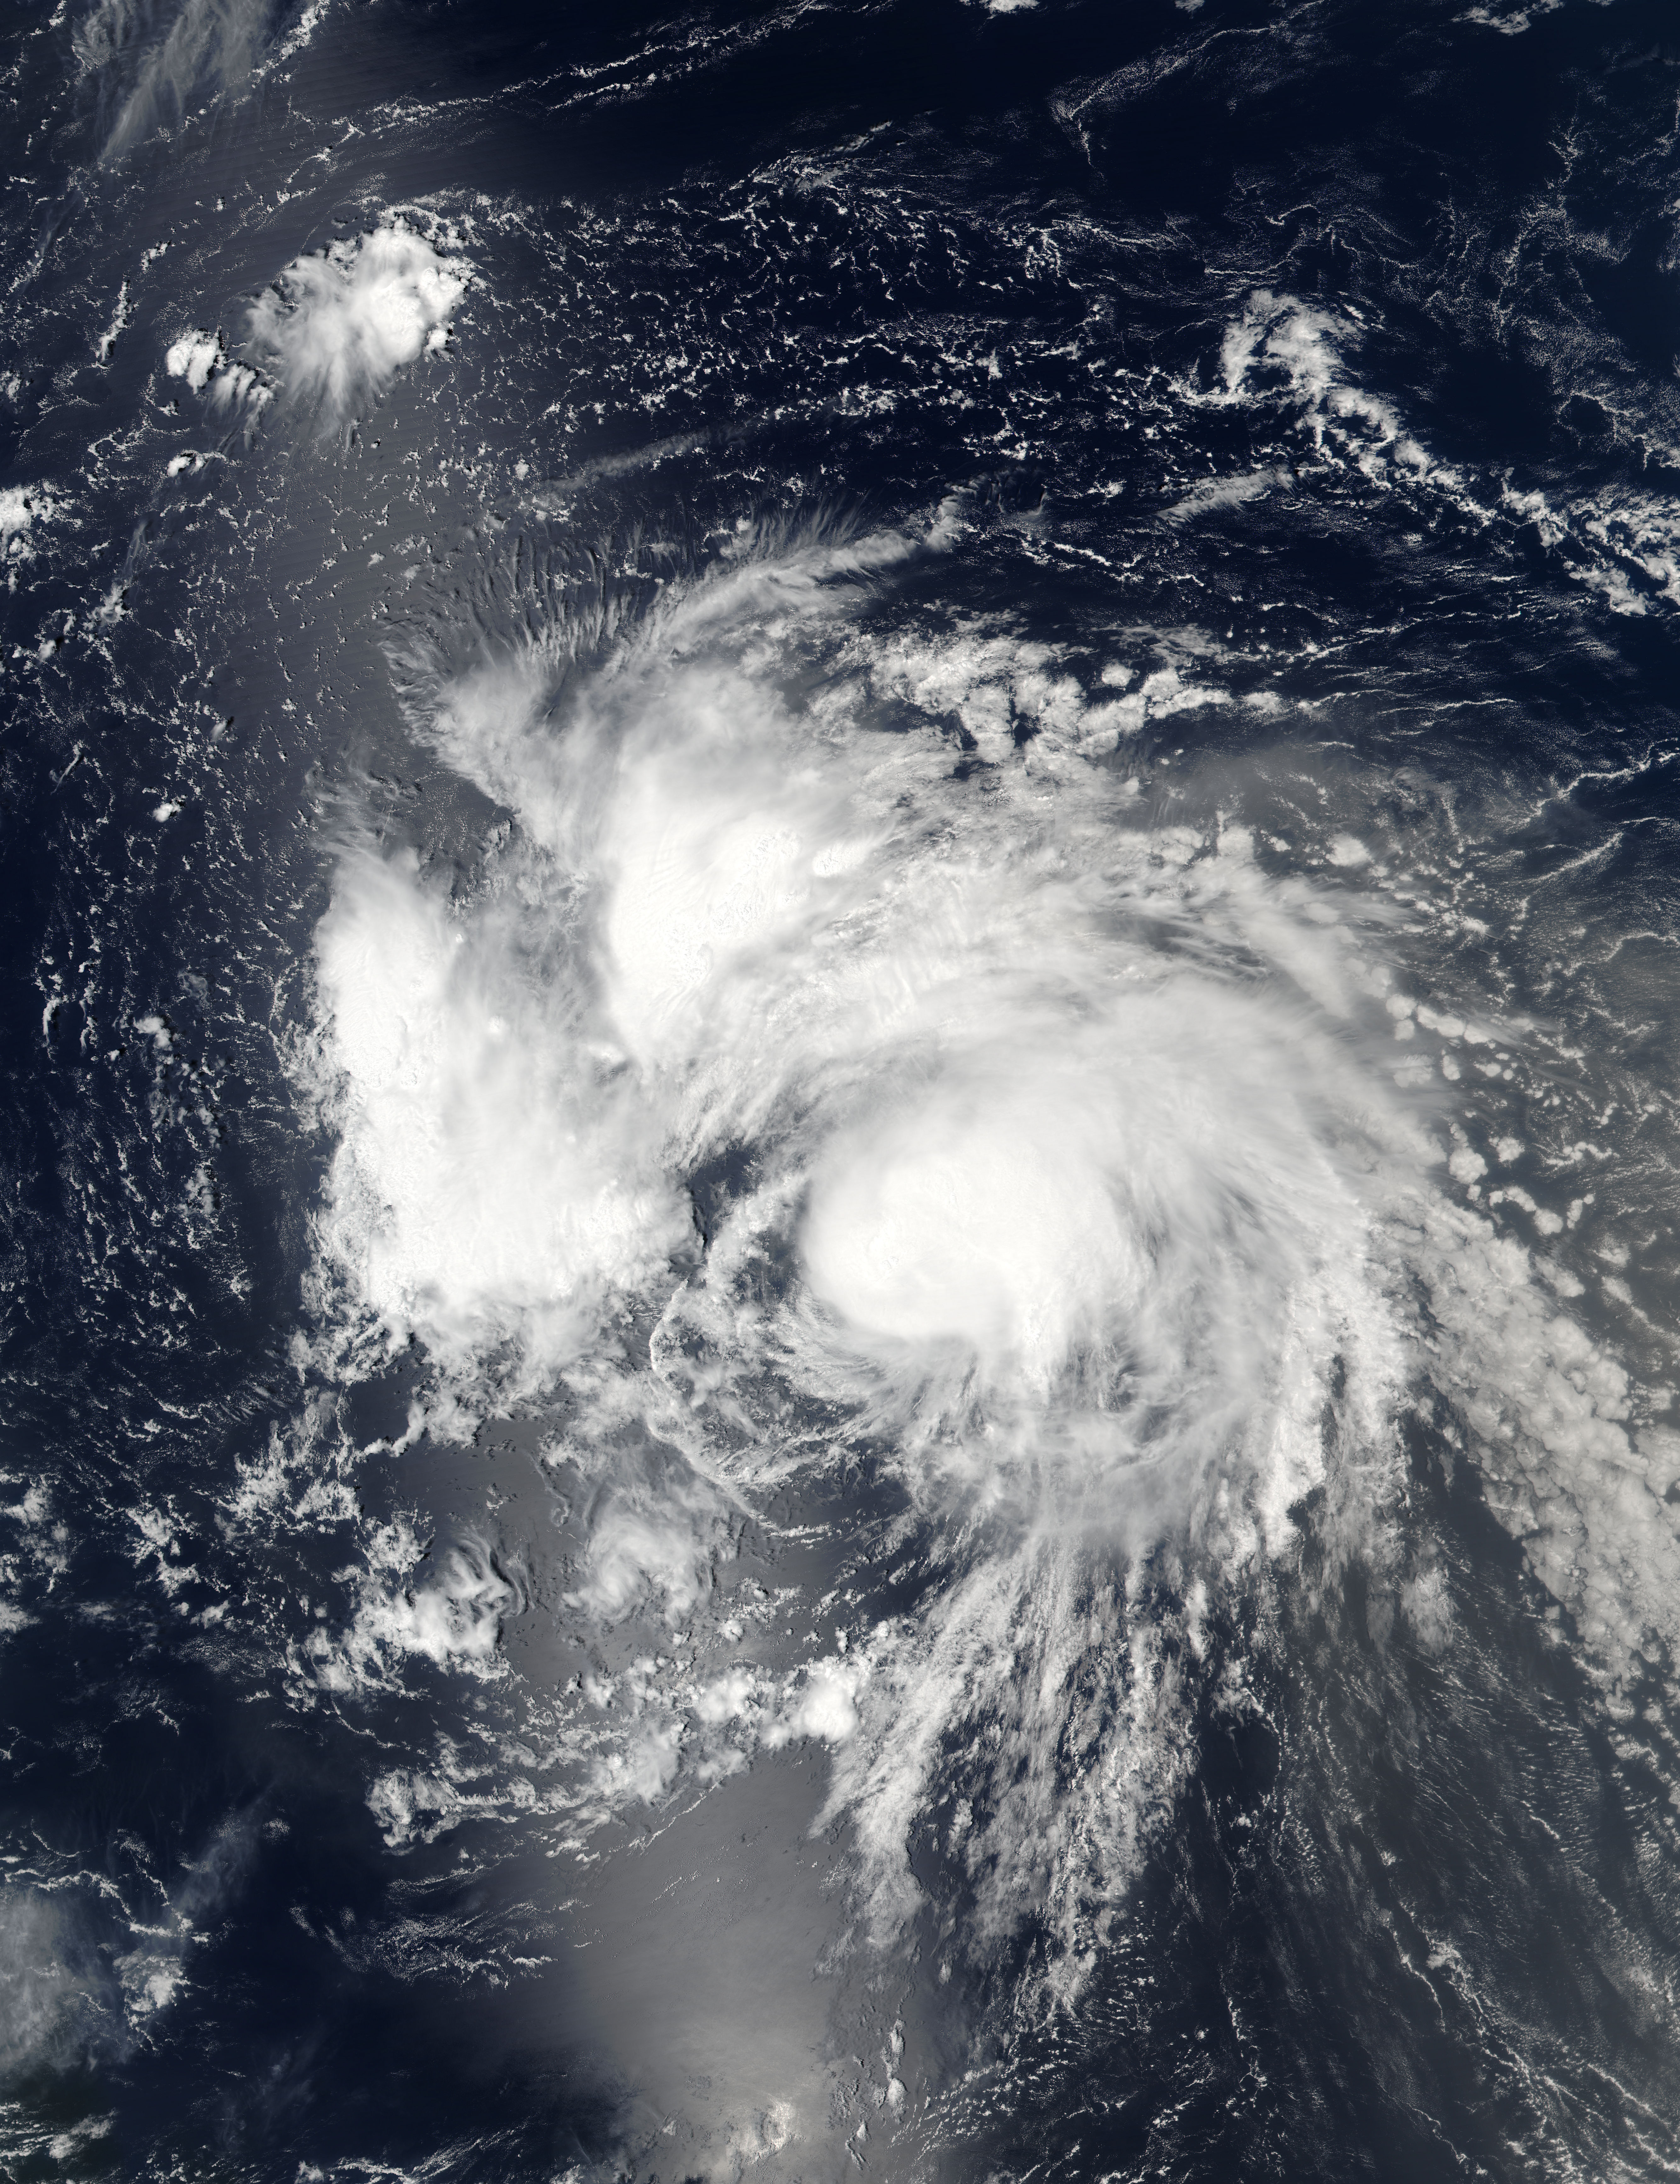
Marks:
<point>155,61</point>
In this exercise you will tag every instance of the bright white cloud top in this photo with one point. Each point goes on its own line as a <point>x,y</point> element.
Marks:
<point>338,325</point>
<point>1075,1176</point>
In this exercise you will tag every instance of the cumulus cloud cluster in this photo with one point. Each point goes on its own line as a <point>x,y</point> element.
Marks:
<point>21,508</point>
<point>1619,541</point>
<point>332,331</point>
<point>337,325</point>
<point>199,357</point>
<point>452,1616</point>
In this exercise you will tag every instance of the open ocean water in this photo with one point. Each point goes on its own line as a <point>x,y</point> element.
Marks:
<point>841,880</point>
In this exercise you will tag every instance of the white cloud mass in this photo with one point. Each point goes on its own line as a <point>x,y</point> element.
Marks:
<point>337,325</point>
<point>1075,1172</point>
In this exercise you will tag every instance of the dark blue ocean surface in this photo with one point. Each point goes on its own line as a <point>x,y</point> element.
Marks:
<point>840,1129</point>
